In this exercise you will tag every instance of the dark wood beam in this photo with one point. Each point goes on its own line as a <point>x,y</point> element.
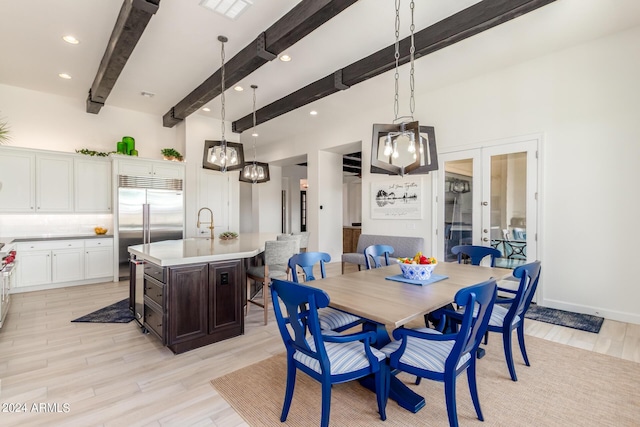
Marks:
<point>466,23</point>
<point>131,23</point>
<point>304,18</point>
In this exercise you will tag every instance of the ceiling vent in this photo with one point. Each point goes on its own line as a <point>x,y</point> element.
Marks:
<point>232,9</point>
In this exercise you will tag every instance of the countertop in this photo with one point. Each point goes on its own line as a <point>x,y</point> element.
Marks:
<point>9,240</point>
<point>200,249</point>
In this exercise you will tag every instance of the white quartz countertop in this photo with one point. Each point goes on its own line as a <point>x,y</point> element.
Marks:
<point>197,250</point>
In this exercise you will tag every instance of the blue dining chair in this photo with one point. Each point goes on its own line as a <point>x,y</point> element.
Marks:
<point>476,253</point>
<point>428,353</point>
<point>330,358</point>
<point>505,319</point>
<point>373,253</point>
<point>330,318</point>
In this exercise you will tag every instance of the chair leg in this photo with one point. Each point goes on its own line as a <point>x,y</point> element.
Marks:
<point>473,388</point>
<point>288,395</point>
<point>265,300</point>
<point>508,354</point>
<point>326,404</point>
<point>382,393</point>
<point>450,398</point>
<point>246,313</point>
<point>521,342</point>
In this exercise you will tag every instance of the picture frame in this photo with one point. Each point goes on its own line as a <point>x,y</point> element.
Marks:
<point>397,199</point>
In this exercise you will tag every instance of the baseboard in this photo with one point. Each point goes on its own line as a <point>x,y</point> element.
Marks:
<point>619,316</point>
<point>21,289</point>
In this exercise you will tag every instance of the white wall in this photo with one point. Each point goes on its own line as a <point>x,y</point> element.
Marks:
<point>52,122</point>
<point>295,173</point>
<point>584,101</point>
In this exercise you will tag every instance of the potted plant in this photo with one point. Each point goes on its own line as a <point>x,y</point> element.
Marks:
<point>171,154</point>
<point>4,132</point>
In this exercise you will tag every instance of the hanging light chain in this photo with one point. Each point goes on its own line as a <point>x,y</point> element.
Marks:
<point>412,50</point>
<point>254,134</point>
<point>396,106</point>
<point>222,111</point>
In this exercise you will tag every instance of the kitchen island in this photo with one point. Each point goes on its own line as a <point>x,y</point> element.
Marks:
<point>191,292</point>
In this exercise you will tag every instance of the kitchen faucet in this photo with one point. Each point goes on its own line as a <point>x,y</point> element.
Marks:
<point>210,222</point>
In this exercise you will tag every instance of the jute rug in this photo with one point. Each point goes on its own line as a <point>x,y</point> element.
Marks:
<point>564,386</point>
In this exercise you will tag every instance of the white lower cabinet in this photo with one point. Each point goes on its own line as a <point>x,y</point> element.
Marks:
<point>98,258</point>
<point>67,265</point>
<point>60,262</point>
<point>34,268</point>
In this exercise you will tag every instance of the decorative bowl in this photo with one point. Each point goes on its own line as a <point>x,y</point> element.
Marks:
<point>417,271</point>
<point>100,230</point>
<point>228,235</point>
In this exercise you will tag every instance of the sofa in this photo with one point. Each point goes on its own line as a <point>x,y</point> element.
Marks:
<point>403,247</point>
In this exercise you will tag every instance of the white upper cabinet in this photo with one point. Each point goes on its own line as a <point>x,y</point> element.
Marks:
<point>150,168</point>
<point>54,183</point>
<point>17,181</point>
<point>92,185</point>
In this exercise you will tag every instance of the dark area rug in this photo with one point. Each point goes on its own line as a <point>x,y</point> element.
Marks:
<point>584,322</point>
<point>115,313</point>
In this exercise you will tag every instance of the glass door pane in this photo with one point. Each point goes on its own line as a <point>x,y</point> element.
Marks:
<point>458,198</point>
<point>508,208</point>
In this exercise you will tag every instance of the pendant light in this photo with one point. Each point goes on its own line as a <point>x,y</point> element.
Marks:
<point>254,172</point>
<point>222,155</point>
<point>403,147</point>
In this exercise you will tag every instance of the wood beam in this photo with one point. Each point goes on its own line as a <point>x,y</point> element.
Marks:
<point>304,18</point>
<point>131,23</point>
<point>466,23</point>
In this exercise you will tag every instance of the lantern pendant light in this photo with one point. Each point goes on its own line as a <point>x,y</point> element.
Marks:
<point>222,155</point>
<point>404,147</point>
<point>254,172</point>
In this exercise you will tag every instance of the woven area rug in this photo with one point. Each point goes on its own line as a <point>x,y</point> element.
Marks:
<point>584,322</point>
<point>115,313</point>
<point>564,386</point>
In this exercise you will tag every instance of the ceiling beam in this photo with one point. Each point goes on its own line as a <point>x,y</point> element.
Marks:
<point>304,18</point>
<point>466,23</point>
<point>131,23</point>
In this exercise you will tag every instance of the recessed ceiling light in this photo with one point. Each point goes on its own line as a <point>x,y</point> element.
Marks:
<point>238,88</point>
<point>313,112</point>
<point>71,40</point>
<point>64,76</point>
<point>207,109</point>
<point>230,8</point>
<point>285,58</point>
<point>147,94</point>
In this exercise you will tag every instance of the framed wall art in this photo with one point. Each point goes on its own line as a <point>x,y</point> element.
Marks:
<point>397,199</point>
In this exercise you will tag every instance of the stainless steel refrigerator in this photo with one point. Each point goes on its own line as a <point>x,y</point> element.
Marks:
<point>149,210</point>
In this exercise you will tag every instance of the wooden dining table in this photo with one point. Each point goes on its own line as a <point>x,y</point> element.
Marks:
<point>388,304</point>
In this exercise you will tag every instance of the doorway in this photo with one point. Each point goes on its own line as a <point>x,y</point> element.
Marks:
<point>489,198</point>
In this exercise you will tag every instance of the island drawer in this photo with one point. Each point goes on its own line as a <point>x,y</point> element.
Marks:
<point>154,290</point>
<point>155,322</point>
<point>155,271</point>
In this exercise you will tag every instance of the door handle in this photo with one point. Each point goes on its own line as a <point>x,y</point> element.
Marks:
<point>485,203</point>
<point>486,239</point>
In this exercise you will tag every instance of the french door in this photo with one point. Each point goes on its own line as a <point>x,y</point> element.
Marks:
<point>487,196</point>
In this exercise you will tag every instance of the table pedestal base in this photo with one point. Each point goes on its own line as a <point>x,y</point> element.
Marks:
<point>398,391</point>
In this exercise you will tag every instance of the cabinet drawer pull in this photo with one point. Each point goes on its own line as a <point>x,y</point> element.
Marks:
<point>159,296</point>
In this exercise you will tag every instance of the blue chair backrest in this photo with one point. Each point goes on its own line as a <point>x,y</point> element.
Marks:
<point>519,234</point>
<point>476,253</point>
<point>478,300</point>
<point>374,252</point>
<point>306,261</point>
<point>302,303</point>
<point>529,274</point>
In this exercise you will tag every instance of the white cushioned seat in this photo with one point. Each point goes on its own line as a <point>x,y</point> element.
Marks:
<point>343,357</point>
<point>424,354</point>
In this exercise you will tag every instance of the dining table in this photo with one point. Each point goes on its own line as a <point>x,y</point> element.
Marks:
<point>389,304</point>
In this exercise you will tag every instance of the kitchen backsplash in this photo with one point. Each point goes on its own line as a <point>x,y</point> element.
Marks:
<point>53,225</point>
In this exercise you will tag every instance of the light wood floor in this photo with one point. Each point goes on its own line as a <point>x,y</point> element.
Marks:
<point>112,374</point>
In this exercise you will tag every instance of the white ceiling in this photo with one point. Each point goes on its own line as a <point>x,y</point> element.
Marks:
<point>179,50</point>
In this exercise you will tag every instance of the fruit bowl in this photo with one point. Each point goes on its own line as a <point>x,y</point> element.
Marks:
<point>417,271</point>
<point>100,230</point>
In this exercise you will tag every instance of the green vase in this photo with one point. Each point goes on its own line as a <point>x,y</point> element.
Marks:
<point>131,144</point>
<point>121,147</point>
